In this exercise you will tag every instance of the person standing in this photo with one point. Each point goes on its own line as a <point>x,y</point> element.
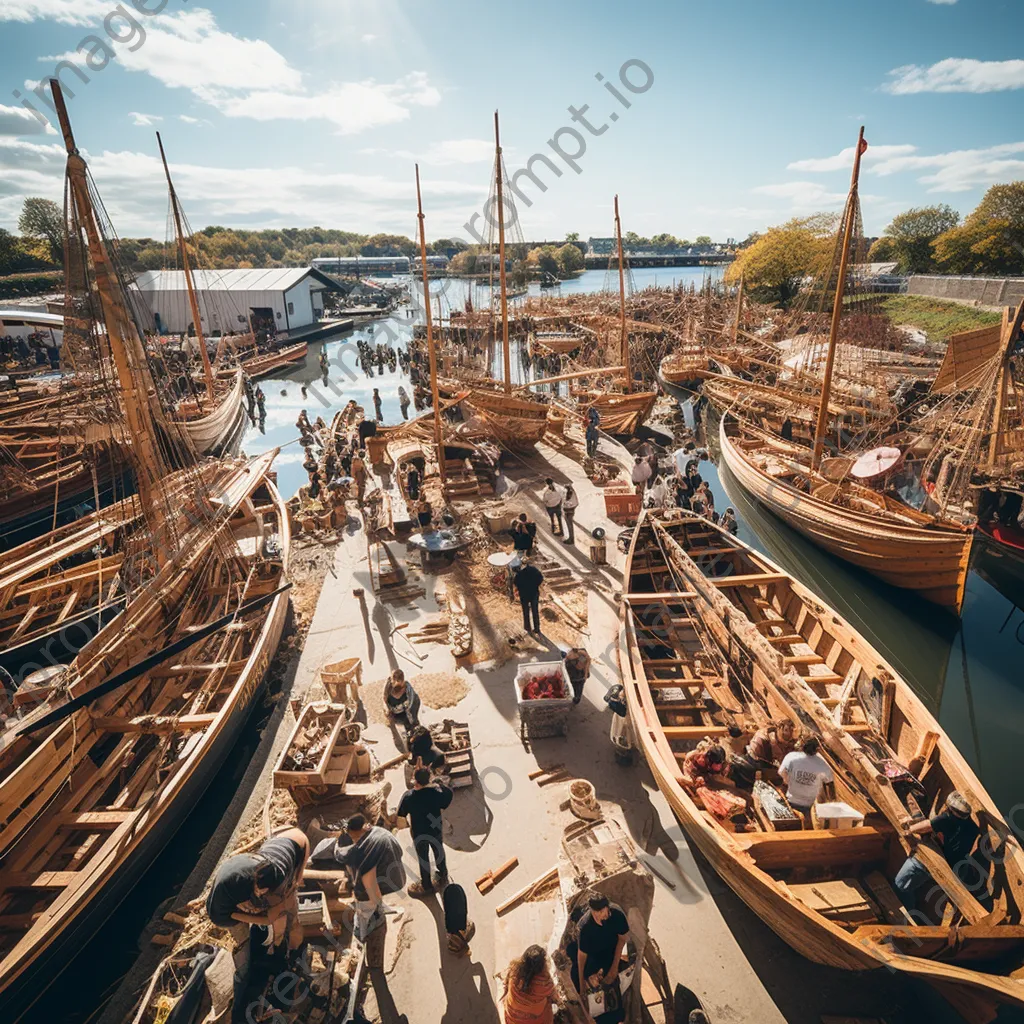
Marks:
<point>528,581</point>
<point>403,402</point>
<point>805,773</point>
<point>603,932</point>
<point>552,496</point>
<point>591,436</point>
<point>412,482</point>
<point>422,806</point>
<point>641,474</point>
<point>358,469</point>
<point>377,408</point>
<point>658,493</point>
<point>729,520</point>
<point>577,665</point>
<point>457,925</point>
<point>570,503</point>
<point>957,832</point>
<point>529,989</point>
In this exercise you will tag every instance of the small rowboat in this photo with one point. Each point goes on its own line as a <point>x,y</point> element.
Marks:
<point>716,635</point>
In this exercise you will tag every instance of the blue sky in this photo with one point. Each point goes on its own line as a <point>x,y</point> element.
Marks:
<point>301,112</point>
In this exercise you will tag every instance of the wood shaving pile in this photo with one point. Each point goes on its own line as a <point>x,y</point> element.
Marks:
<point>440,689</point>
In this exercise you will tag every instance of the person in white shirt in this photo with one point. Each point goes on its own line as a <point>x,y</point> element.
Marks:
<point>552,496</point>
<point>658,493</point>
<point>805,773</point>
<point>641,474</point>
<point>570,503</point>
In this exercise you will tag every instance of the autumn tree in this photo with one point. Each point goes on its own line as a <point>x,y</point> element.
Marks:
<point>13,255</point>
<point>775,264</point>
<point>570,259</point>
<point>42,226</point>
<point>991,238</point>
<point>543,258</point>
<point>911,234</point>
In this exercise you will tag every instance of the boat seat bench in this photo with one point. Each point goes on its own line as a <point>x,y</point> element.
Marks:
<point>773,851</point>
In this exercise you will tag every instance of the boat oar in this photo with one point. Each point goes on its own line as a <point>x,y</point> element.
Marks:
<point>142,667</point>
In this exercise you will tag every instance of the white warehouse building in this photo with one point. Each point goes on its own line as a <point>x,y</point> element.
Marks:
<point>291,298</point>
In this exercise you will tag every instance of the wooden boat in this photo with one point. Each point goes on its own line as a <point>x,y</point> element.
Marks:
<point>717,635</point>
<point>88,804</point>
<point>219,430</point>
<point>896,543</point>
<point>263,364</point>
<point>622,413</point>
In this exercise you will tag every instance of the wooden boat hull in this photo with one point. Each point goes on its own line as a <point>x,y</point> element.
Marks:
<point>34,964</point>
<point>745,860</point>
<point>263,365</point>
<point>514,422</point>
<point>933,561</point>
<point>624,414</point>
<point>220,431</point>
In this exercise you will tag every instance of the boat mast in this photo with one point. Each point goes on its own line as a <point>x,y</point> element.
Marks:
<point>193,301</point>
<point>126,348</point>
<point>1010,329</point>
<point>438,438</point>
<point>837,305</point>
<point>739,312</point>
<point>623,338</point>
<point>501,261</point>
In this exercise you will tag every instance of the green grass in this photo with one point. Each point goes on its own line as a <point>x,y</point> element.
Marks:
<point>18,286</point>
<point>938,319</point>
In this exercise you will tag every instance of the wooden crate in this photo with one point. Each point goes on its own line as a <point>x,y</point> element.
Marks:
<point>336,716</point>
<point>777,824</point>
<point>621,502</point>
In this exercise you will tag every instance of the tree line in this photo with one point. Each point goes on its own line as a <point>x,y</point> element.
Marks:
<point>923,240</point>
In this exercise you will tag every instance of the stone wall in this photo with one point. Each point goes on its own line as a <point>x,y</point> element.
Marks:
<point>985,291</point>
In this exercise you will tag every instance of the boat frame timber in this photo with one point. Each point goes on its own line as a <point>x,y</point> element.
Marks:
<point>130,838</point>
<point>931,558</point>
<point>723,605</point>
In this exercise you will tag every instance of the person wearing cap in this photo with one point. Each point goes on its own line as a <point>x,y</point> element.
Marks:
<point>957,832</point>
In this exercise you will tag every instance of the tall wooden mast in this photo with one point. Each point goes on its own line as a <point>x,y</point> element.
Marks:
<point>739,312</point>
<point>623,337</point>
<point>837,306</point>
<point>189,283</point>
<point>438,437</point>
<point>1011,327</point>
<point>126,347</point>
<point>507,362</point>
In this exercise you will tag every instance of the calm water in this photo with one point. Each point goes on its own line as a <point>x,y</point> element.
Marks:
<point>347,381</point>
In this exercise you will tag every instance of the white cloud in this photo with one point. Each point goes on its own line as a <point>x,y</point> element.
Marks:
<point>961,170</point>
<point>442,154</point>
<point>957,74</point>
<point>188,119</point>
<point>843,160</point>
<point>144,120</point>
<point>948,2</point>
<point>133,190</point>
<point>802,195</point>
<point>248,78</point>
<point>20,121</point>
<point>367,37</point>
<point>68,12</point>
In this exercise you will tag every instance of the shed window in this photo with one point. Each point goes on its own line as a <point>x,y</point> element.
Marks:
<point>291,308</point>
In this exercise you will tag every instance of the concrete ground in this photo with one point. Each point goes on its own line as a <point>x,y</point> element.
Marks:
<point>713,946</point>
<point>711,943</point>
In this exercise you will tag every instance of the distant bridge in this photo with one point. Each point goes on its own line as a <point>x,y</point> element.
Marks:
<point>675,259</point>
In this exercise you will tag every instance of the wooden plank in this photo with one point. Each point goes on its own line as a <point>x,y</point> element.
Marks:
<point>945,876</point>
<point>159,724</point>
<point>693,732</point>
<point>892,909</point>
<point>40,879</point>
<point>661,597</point>
<point>87,819</point>
<point>753,580</point>
<point>814,847</point>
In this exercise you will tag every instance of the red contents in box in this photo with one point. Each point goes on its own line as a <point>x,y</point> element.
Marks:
<point>549,687</point>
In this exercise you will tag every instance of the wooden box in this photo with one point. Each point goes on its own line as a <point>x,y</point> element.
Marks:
<point>331,718</point>
<point>777,824</point>
<point>621,502</point>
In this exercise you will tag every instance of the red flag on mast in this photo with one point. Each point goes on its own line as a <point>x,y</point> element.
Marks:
<point>863,146</point>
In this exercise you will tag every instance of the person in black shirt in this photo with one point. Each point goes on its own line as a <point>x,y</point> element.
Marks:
<point>787,429</point>
<point>603,933</point>
<point>524,531</point>
<point>412,482</point>
<point>957,832</point>
<point>527,583</point>
<point>422,805</point>
<point>422,752</point>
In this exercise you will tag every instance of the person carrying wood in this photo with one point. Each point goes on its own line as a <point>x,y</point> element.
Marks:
<point>259,890</point>
<point>528,581</point>
<point>957,833</point>
<point>421,806</point>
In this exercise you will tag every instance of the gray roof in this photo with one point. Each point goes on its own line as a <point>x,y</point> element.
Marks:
<point>275,279</point>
